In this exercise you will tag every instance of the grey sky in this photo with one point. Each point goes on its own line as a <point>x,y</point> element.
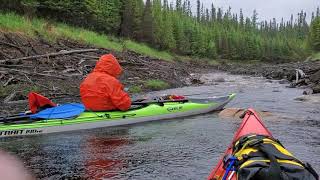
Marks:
<point>267,9</point>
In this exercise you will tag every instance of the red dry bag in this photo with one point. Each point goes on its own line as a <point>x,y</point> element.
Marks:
<point>38,102</point>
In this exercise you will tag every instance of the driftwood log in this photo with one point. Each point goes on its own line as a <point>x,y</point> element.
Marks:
<point>49,55</point>
<point>22,72</point>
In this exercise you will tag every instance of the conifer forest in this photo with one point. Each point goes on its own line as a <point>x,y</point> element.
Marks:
<point>206,32</point>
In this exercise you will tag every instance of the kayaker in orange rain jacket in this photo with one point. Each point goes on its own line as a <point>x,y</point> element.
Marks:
<point>101,90</point>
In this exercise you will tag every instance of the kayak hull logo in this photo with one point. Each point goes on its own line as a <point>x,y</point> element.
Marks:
<point>173,109</point>
<point>20,132</point>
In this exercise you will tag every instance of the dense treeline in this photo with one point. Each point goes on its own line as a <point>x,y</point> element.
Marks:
<point>314,36</point>
<point>210,32</point>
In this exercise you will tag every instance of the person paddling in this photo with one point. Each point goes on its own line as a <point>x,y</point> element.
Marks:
<point>101,90</point>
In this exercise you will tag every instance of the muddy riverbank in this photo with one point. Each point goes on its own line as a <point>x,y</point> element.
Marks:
<point>55,69</point>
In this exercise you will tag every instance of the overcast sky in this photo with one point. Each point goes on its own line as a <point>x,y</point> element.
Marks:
<point>267,9</point>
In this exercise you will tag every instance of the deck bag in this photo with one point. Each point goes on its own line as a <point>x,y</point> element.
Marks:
<point>38,102</point>
<point>262,158</point>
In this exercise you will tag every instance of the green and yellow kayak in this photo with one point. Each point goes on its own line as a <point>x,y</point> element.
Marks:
<point>90,120</point>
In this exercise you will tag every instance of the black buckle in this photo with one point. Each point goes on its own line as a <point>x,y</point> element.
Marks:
<point>240,143</point>
<point>255,142</point>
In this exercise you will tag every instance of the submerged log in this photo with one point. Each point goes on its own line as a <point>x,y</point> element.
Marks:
<point>237,112</point>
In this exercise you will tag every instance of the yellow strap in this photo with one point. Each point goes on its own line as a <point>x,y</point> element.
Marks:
<point>246,150</point>
<point>268,161</point>
<point>239,154</point>
<point>278,146</point>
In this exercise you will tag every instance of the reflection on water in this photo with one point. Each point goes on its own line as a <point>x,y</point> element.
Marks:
<point>99,162</point>
<point>99,148</point>
<point>184,148</point>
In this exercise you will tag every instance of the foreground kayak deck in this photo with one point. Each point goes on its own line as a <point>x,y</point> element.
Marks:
<point>90,120</point>
<point>251,124</point>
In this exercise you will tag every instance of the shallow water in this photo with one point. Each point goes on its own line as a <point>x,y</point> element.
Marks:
<point>186,148</point>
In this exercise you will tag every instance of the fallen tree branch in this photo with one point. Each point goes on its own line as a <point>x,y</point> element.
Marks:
<point>88,56</point>
<point>49,55</point>
<point>7,83</point>
<point>10,97</point>
<point>9,44</point>
<point>299,74</point>
<point>16,102</point>
<point>55,95</point>
<point>50,97</point>
<point>4,72</point>
<point>5,55</point>
<point>125,63</point>
<point>37,84</point>
<point>16,66</point>
<point>34,73</point>
<point>12,44</point>
<point>81,61</point>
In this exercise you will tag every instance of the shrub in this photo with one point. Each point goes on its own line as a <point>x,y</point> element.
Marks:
<point>155,84</point>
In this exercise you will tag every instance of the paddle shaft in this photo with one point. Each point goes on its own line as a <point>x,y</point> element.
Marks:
<point>13,118</point>
<point>159,101</point>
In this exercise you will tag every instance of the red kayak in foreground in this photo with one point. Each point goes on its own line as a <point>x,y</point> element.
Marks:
<point>245,157</point>
<point>251,124</point>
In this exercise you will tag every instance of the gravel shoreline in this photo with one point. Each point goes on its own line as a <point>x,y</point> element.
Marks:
<point>308,73</point>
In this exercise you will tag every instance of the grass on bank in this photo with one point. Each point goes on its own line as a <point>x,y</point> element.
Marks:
<point>135,89</point>
<point>156,84</point>
<point>315,56</point>
<point>53,31</point>
<point>144,49</point>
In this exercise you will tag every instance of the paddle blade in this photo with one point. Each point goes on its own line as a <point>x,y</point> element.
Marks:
<point>60,112</point>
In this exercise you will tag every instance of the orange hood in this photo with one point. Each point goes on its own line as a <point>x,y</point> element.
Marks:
<point>108,64</point>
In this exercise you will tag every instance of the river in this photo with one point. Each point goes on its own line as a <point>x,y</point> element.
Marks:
<point>186,148</point>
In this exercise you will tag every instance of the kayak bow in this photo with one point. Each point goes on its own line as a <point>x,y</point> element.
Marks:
<point>251,124</point>
<point>255,154</point>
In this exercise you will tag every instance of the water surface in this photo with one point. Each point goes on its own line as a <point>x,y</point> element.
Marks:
<point>185,148</point>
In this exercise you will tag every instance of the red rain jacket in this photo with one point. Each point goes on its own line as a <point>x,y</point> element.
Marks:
<point>101,90</point>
